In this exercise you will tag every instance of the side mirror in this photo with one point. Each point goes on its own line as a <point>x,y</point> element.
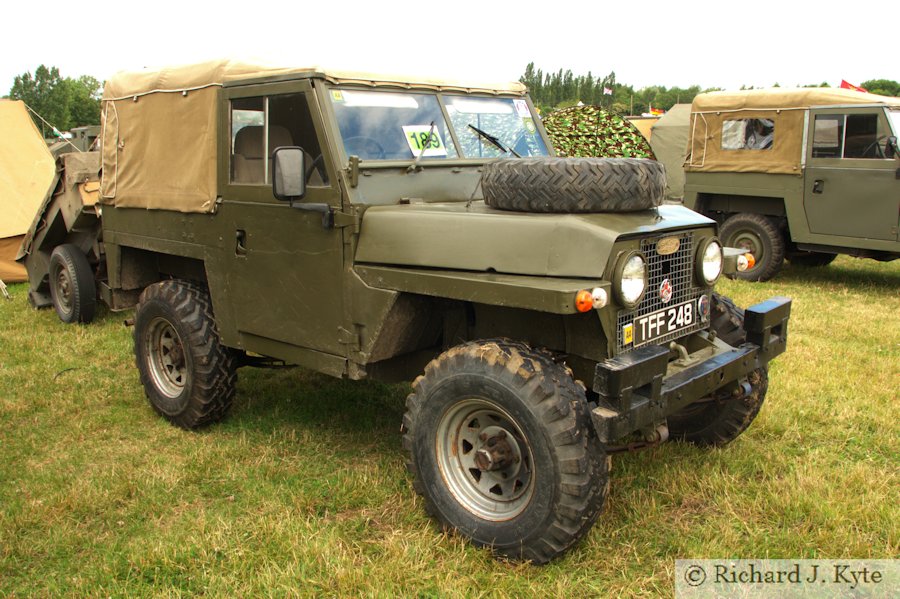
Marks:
<point>288,173</point>
<point>890,148</point>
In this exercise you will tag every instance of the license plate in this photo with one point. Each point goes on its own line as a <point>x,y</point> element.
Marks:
<point>662,322</point>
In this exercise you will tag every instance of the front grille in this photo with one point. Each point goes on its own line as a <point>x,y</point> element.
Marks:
<point>679,269</point>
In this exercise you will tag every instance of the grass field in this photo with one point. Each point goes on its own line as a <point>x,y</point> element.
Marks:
<point>302,489</point>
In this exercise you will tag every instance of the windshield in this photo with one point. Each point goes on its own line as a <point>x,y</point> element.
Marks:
<point>381,125</point>
<point>895,122</point>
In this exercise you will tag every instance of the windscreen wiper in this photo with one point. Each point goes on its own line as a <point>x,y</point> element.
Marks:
<point>494,141</point>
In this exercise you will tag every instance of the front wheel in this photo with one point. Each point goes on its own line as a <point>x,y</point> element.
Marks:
<point>501,447</point>
<point>724,415</point>
<point>188,375</point>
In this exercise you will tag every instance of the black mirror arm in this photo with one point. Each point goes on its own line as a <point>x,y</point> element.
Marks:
<point>326,210</point>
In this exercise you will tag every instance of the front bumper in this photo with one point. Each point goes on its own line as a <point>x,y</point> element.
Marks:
<point>635,392</point>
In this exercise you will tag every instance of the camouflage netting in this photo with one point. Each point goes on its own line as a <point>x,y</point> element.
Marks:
<point>588,131</point>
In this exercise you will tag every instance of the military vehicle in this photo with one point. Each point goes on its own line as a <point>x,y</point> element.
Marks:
<point>797,174</point>
<point>550,311</point>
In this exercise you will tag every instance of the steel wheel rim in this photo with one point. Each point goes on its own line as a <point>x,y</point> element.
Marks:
<point>166,357</point>
<point>63,288</point>
<point>464,430</point>
<point>750,242</point>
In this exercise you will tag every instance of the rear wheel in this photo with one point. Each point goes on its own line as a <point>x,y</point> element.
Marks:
<point>758,235</point>
<point>723,416</point>
<point>72,287</point>
<point>501,447</point>
<point>188,375</point>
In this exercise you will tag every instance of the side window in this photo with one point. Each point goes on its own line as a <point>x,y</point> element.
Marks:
<point>862,137</point>
<point>828,136</point>
<point>748,134</point>
<point>272,122</point>
<point>849,136</point>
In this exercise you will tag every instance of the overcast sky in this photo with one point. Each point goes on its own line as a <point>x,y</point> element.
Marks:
<point>708,43</point>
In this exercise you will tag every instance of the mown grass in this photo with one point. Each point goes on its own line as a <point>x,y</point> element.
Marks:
<point>302,490</point>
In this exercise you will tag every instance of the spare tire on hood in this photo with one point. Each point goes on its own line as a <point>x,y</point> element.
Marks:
<point>574,184</point>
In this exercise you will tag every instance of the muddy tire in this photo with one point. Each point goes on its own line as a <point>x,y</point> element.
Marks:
<point>810,259</point>
<point>722,417</point>
<point>188,376</point>
<point>72,287</point>
<point>761,237</point>
<point>501,446</point>
<point>564,185</point>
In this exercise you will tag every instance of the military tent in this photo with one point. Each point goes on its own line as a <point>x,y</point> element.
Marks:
<point>26,172</point>
<point>669,140</point>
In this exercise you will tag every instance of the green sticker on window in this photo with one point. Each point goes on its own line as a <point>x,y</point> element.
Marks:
<point>424,140</point>
<point>337,95</point>
<point>529,125</point>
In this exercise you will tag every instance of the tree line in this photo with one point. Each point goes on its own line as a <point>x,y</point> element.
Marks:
<point>554,90</point>
<point>65,102</point>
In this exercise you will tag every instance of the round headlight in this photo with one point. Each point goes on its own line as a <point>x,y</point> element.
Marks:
<point>710,261</point>
<point>631,279</point>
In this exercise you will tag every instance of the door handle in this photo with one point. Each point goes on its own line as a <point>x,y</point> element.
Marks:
<point>818,186</point>
<point>240,237</point>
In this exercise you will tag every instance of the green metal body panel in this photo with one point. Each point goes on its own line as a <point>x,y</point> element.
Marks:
<point>543,294</point>
<point>475,237</point>
<point>856,205</point>
<point>408,243</point>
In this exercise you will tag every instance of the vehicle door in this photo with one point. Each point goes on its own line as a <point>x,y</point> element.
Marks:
<point>850,186</point>
<point>283,268</point>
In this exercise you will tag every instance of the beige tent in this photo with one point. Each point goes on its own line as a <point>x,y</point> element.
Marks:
<point>669,140</point>
<point>26,172</point>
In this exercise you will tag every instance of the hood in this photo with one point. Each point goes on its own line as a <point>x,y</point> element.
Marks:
<point>475,237</point>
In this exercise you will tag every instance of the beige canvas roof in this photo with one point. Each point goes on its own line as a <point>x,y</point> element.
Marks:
<point>220,72</point>
<point>785,98</point>
<point>160,130</point>
<point>784,108</point>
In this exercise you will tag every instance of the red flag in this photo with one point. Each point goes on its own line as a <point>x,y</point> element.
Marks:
<point>846,85</point>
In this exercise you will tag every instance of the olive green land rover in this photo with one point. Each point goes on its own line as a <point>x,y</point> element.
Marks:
<point>797,174</point>
<point>549,312</point>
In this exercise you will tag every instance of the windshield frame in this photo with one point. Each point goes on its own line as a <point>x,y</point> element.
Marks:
<point>328,110</point>
<point>894,120</point>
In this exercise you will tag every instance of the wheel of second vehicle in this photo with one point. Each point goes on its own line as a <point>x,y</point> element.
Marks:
<point>565,185</point>
<point>810,259</point>
<point>72,288</point>
<point>188,375</point>
<point>502,448</point>
<point>723,416</point>
<point>758,235</point>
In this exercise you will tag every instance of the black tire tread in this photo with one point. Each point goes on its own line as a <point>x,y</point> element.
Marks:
<point>81,276</point>
<point>214,377</point>
<point>564,185</point>
<point>558,400</point>
<point>722,418</point>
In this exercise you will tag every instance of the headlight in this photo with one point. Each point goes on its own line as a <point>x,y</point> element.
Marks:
<point>631,279</point>
<point>709,261</point>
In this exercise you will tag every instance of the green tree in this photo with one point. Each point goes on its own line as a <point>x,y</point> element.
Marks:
<point>882,87</point>
<point>62,102</point>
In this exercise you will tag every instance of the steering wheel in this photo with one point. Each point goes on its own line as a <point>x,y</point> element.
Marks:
<point>364,147</point>
<point>879,151</point>
<point>319,163</point>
